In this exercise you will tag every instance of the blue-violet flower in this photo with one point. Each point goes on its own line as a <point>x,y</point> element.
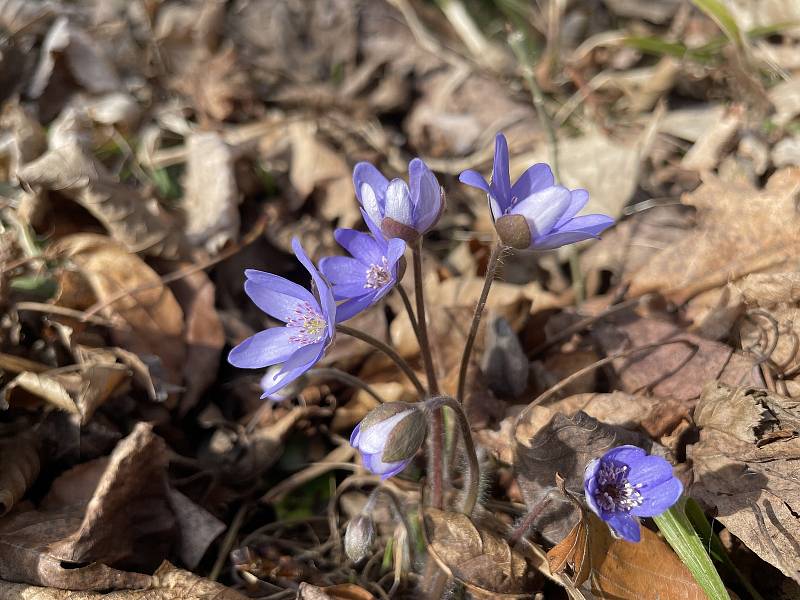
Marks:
<point>309,325</point>
<point>389,437</point>
<point>363,280</point>
<point>399,210</point>
<point>626,483</point>
<point>534,213</point>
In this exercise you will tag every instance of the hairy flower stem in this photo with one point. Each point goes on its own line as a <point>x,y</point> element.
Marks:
<point>389,351</point>
<point>399,512</point>
<point>472,476</point>
<point>491,269</point>
<point>527,521</point>
<point>345,378</point>
<point>436,437</point>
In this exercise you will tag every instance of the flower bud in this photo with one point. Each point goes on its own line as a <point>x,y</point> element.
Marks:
<point>389,437</point>
<point>513,231</point>
<point>358,537</point>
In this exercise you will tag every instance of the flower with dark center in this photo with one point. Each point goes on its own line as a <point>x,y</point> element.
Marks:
<point>365,278</point>
<point>534,213</point>
<point>401,210</point>
<point>627,483</point>
<point>299,344</point>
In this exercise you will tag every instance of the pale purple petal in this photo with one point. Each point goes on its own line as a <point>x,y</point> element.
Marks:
<point>342,270</point>
<point>398,203</point>
<point>474,179</point>
<point>395,250</point>
<point>373,206</point>
<point>495,208</point>
<point>361,245</point>
<point>658,498</point>
<point>625,454</point>
<point>284,378</point>
<point>577,200</point>
<point>426,195</point>
<point>354,437</point>
<point>373,439</point>
<point>350,308</point>
<point>265,348</point>
<point>304,357</point>
<point>501,181</point>
<point>276,296</point>
<point>328,304</point>
<point>536,178</point>
<point>374,227</point>
<point>576,230</point>
<point>350,290</point>
<point>374,464</point>
<point>625,526</point>
<point>363,173</point>
<point>543,209</point>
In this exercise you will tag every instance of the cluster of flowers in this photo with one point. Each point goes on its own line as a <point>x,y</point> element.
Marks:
<point>534,213</point>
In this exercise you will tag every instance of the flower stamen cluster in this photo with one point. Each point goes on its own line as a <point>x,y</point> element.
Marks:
<point>614,491</point>
<point>310,325</point>
<point>378,275</point>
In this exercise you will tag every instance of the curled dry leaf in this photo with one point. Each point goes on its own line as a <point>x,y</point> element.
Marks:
<point>70,169</point>
<point>478,558</point>
<point>168,583</point>
<point>745,468</point>
<point>614,568</point>
<point>198,528</point>
<point>110,511</point>
<point>19,469</point>
<point>564,445</point>
<point>153,317</point>
<point>740,230</point>
<point>343,591</point>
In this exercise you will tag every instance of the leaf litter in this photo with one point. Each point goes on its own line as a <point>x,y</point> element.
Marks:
<point>149,152</point>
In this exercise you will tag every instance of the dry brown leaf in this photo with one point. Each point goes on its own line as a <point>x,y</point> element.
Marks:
<point>215,84</point>
<point>343,591</point>
<point>678,368</point>
<point>740,230</point>
<point>198,528</point>
<point>316,166</point>
<point>745,468</point>
<point>563,445</point>
<point>618,569</point>
<point>211,201</point>
<point>29,389</point>
<point>154,317</point>
<point>70,169</point>
<point>168,583</point>
<point>480,559</point>
<point>19,468</point>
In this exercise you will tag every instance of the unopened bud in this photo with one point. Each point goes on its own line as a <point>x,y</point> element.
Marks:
<point>394,229</point>
<point>514,231</point>
<point>358,537</point>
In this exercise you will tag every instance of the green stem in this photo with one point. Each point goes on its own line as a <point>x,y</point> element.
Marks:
<point>680,534</point>
<point>491,269</point>
<point>389,351</point>
<point>472,476</point>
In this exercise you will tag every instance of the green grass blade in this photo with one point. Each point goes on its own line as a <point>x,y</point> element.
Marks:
<point>680,534</point>
<point>722,17</point>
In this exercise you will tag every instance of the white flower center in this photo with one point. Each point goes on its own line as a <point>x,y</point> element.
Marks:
<point>614,491</point>
<point>378,275</point>
<point>310,324</point>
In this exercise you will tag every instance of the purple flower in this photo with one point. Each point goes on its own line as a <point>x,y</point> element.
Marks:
<point>369,275</point>
<point>534,213</point>
<point>400,211</point>
<point>389,437</point>
<point>309,325</point>
<point>626,483</point>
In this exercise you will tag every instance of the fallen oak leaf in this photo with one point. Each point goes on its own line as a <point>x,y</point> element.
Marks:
<point>618,569</point>
<point>19,468</point>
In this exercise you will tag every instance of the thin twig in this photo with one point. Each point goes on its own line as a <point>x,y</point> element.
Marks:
<point>227,542</point>
<point>346,378</point>
<point>388,351</point>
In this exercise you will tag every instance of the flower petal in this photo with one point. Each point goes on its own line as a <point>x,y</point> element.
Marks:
<point>577,200</point>
<point>355,435</point>
<point>658,498</point>
<point>373,463</point>
<point>303,357</point>
<point>276,296</point>
<point>576,230</point>
<point>395,250</point>
<point>398,203</point>
<point>426,195</point>
<point>284,378</point>
<point>626,454</point>
<point>474,179</point>
<point>360,245</point>
<point>366,173</point>
<point>328,304</point>
<point>353,306</point>
<point>343,270</point>
<point>268,347</point>
<point>543,209</point>
<point>535,179</point>
<point>501,181</point>
<point>373,439</point>
<point>625,526</point>
<point>372,205</point>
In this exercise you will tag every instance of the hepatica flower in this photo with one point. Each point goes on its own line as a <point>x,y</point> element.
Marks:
<point>401,210</point>
<point>389,437</point>
<point>626,483</point>
<point>309,325</point>
<point>366,277</point>
<point>534,213</point>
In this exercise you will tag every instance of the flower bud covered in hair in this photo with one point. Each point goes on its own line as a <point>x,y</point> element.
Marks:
<point>358,537</point>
